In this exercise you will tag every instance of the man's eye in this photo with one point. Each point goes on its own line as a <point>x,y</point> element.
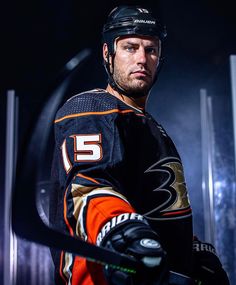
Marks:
<point>130,48</point>
<point>151,50</point>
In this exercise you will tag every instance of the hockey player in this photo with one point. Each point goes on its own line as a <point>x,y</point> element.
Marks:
<point>120,178</point>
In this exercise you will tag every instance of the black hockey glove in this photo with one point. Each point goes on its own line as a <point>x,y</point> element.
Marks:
<point>207,268</point>
<point>130,234</point>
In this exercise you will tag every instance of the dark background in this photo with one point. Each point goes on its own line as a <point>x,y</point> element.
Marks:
<point>39,37</point>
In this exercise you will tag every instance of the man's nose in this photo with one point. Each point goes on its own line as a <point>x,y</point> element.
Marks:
<point>141,56</point>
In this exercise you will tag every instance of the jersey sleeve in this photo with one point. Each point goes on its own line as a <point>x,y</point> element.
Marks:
<point>90,153</point>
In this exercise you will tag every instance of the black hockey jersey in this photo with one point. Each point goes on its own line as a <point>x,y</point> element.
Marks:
<point>111,158</point>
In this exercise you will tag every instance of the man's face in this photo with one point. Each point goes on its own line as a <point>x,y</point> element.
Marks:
<point>135,63</point>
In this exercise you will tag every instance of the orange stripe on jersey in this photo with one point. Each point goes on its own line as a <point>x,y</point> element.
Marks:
<point>88,178</point>
<point>178,212</point>
<point>65,214</point>
<point>93,113</point>
<point>102,209</point>
<point>61,270</point>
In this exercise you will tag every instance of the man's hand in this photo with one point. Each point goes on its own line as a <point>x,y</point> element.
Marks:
<point>207,268</point>
<point>135,238</point>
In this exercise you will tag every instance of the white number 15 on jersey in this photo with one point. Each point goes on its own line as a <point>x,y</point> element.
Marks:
<point>87,148</point>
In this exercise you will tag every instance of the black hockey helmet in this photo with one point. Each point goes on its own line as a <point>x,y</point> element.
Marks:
<point>131,20</point>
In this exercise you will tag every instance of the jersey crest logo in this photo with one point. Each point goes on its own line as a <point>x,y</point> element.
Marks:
<point>176,204</point>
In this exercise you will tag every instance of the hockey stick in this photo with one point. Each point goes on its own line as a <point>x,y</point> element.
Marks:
<point>26,221</point>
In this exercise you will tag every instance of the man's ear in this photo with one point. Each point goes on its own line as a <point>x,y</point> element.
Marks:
<point>105,52</point>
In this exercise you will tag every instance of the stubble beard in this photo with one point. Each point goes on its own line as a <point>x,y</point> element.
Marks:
<point>137,87</point>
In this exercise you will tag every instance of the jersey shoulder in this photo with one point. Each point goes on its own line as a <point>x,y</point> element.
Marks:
<point>92,101</point>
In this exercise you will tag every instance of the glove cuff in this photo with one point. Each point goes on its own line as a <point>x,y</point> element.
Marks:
<point>116,222</point>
